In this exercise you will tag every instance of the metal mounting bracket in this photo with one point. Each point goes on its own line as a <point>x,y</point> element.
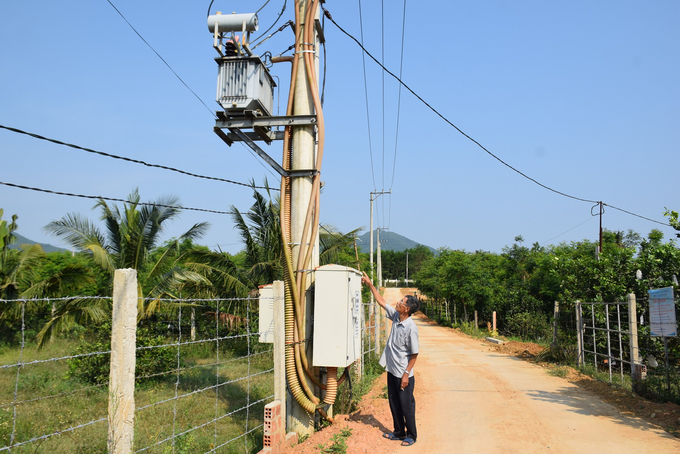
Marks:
<point>261,153</point>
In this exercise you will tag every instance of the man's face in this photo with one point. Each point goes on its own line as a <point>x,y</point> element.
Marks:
<point>401,306</point>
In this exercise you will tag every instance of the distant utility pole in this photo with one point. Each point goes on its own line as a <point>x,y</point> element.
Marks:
<point>380,279</point>
<point>372,306</point>
<point>407,268</point>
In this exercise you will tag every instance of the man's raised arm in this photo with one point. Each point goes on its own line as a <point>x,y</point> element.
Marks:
<point>376,294</point>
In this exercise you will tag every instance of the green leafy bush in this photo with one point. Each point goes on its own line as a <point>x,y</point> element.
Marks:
<point>529,325</point>
<point>95,369</point>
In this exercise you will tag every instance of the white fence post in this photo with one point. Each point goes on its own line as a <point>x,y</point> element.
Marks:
<point>635,368</point>
<point>279,343</point>
<point>579,334</point>
<point>122,378</point>
<point>556,318</point>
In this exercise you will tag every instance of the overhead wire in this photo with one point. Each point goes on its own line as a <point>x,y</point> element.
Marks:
<point>368,116</point>
<point>398,79</point>
<point>446,119</point>
<point>567,231</point>
<point>401,70</point>
<point>382,56</point>
<point>162,59</point>
<point>123,158</point>
<point>255,40</point>
<point>112,199</point>
<point>184,83</point>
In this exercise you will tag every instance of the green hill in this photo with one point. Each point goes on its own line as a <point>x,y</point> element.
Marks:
<point>23,240</point>
<point>390,241</point>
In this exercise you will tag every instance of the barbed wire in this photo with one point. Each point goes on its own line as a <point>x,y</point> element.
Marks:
<point>41,361</point>
<point>65,393</point>
<point>59,432</point>
<point>198,366</point>
<point>49,300</point>
<point>240,436</point>
<point>205,424</point>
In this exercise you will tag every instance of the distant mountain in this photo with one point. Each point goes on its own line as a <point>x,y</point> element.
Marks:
<point>390,241</point>
<point>23,240</point>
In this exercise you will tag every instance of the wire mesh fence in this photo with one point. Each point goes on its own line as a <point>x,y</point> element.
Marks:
<point>202,380</point>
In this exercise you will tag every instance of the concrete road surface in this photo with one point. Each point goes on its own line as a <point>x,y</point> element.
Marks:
<point>472,400</point>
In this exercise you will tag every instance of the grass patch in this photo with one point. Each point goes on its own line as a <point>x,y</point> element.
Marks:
<point>561,372</point>
<point>51,400</point>
<point>603,376</point>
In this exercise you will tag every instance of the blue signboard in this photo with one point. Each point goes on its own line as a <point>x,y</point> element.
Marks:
<point>662,312</point>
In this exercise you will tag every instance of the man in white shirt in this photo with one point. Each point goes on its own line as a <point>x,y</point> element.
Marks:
<point>399,358</point>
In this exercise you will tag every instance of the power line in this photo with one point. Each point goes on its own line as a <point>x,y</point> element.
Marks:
<point>368,116</point>
<point>112,199</point>
<point>446,119</point>
<point>162,59</point>
<point>401,69</point>
<point>567,231</point>
<point>136,161</point>
<point>637,215</point>
<point>328,15</point>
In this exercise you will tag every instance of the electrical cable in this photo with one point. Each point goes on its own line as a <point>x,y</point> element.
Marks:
<point>401,70</point>
<point>590,218</point>
<point>272,26</point>
<point>368,116</point>
<point>382,58</point>
<point>111,199</point>
<point>136,161</point>
<point>328,15</point>
<point>637,215</point>
<point>162,59</point>
<point>447,120</point>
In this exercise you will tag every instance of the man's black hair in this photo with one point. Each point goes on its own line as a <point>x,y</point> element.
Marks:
<point>413,304</point>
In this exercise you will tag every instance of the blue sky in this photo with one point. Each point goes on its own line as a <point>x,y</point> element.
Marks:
<point>582,96</point>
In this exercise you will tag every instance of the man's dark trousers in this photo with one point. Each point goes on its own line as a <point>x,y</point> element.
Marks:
<point>403,406</point>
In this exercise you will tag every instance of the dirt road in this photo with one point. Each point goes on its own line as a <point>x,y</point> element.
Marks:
<point>473,400</point>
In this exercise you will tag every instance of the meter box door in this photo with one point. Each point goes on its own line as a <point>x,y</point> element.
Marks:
<point>244,83</point>
<point>337,316</point>
<point>266,322</point>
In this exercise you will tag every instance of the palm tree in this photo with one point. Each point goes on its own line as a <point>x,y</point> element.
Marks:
<point>131,234</point>
<point>18,279</point>
<point>262,263</point>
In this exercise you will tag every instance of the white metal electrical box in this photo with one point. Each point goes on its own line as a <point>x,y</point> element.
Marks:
<point>337,316</point>
<point>244,83</point>
<point>266,323</point>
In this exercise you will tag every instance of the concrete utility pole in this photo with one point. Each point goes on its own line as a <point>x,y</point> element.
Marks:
<point>407,269</point>
<point>379,260</point>
<point>373,307</point>
<point>303,157</point>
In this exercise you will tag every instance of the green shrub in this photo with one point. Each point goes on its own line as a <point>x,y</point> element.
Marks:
<point>528,325</point>
<point>95,369</point>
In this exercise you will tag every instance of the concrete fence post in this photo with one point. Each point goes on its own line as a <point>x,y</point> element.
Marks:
<point>476,322</point>
<point>494,321</point>
<point>636,368</point>
<point>556,318</point>
<point>122,377</point>
<point>579,334</point>
<point>279,344</point>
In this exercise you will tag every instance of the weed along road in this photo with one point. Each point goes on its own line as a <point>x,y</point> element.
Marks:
<point>472,400</point>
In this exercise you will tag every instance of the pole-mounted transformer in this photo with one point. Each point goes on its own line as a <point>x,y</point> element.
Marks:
<point>245,90</point>
<point>244,85</point>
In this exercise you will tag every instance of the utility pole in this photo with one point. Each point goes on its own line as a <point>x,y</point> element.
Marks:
<point>303,157</point>
<point>373,307</point>
<point>407,268</point>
